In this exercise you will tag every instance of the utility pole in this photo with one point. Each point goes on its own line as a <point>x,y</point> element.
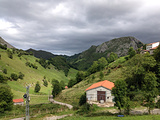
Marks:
<point>26,96</point>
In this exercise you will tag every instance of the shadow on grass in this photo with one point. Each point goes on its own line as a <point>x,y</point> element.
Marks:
<point>101,114</point>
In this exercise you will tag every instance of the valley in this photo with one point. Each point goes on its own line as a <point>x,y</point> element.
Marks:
<point>19,69</point>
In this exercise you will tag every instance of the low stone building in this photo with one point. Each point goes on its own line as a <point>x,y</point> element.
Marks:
<point>100,92</point>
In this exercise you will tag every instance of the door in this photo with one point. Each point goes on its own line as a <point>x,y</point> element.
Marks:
<point>101,95</point>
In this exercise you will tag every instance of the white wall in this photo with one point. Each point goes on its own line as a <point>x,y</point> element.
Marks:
<point>92,94</point>
<point>148,47</point>
<point>155,44</point>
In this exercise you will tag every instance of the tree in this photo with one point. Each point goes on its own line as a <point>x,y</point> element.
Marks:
<point>5,71</point>
<point>37,87</point>
<point>102,62</point>
<point>21,75</point>
<point>71,82</point>
<point>150,90</point>
<point>62,84</point>
<point>54,81</point>
<point>113,56</point>
<point>80,76</point>
<point>3,79</point>
<point>136,68</point>
<point>56,89</point>
<point>120,93</point>
<point>6,99</point>
<point>131,52</point>
<point>14,76</point>
<point>45,83</point>
<point>101,75</point>
<point>93,68</point>
<point>82,99</point>
<point>10,54</point>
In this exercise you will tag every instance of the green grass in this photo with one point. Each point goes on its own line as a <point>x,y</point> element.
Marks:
<point>143,117</point>
<point>37,111</point>
<point>73,94</point>
<point>17,64</point>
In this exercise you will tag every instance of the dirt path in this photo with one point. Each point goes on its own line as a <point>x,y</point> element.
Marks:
<point>60,103</point>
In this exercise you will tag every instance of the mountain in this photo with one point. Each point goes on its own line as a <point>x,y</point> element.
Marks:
<point>84,60</point>
<point>3,42</point>
<point>41,54</point>
<point>120,46</point>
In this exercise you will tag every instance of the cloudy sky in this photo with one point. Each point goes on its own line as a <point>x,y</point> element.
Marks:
<point>72,26</point>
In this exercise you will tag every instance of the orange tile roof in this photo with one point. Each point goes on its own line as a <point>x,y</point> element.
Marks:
<point>18,100</point>
<point>105,83</point>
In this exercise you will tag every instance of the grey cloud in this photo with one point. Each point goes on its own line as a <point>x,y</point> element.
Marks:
<point>69,27</point>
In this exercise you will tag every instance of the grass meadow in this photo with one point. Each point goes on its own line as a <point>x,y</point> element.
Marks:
<point>31,76</point>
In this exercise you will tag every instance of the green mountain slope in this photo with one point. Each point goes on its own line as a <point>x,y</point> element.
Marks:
<point>120,46</point>
<point>31,75</point>
<point>84,60</point>
<point>41,54</point>
<point>113,72</point>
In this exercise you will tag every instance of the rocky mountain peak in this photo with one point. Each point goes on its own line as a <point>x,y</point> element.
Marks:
<point>120,46</point>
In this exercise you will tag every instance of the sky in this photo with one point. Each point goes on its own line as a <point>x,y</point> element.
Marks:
<point>72,26</point>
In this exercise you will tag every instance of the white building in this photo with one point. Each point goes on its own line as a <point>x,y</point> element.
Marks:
<point>152,45</point>
<point>100,91</point>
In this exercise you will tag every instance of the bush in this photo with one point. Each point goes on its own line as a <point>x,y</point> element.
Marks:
<point>3,79</point>
<point>10,54</point>
<point>21,75</point>
<point>14,76</point>
<point>31,65</point>
<point>71,83</point>
<point>84,109</point>
<point>45,83</point>
<point>37,87</point>
<point>3,46</point>
<point>83,99</point>
<point>5,71</point>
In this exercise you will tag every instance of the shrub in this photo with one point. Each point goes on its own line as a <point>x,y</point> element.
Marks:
<point>3,46</point>
<point>37,87</point>
<point>14,76</point>
<point>45,83</point>
<point>83,99</point>
<point>5,71</point>
<point>21,75</point>
<point>84,109</point>
<point>3,79</point>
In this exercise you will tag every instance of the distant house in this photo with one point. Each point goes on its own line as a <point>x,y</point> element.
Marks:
<point>100,92</point>
<point>18,101</point>
<point>151,47</point>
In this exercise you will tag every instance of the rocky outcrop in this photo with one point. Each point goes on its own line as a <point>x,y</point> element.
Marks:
<point>3,42</point>
<point>120,46</point>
